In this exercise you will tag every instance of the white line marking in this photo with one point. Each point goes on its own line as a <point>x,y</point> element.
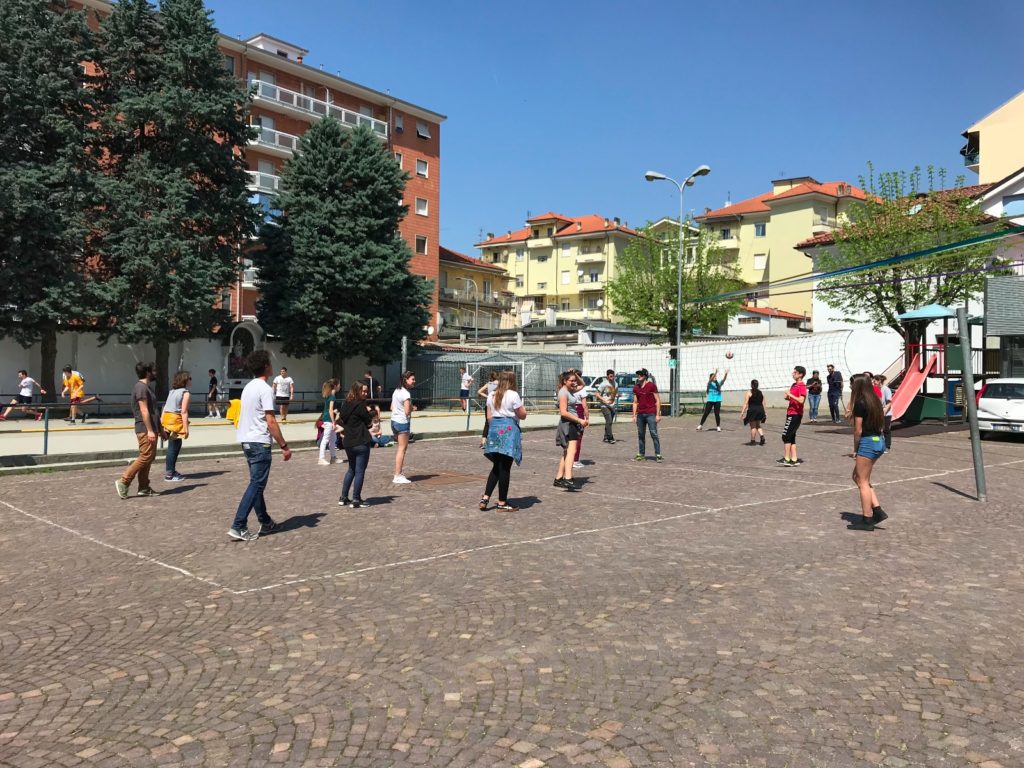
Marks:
<point>122,550</point>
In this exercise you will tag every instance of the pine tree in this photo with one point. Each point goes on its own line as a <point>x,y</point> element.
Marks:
<point>334,271</point>
<point>176,206</point>
<point>46,173</point>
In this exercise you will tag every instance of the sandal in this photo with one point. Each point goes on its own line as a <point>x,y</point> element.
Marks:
<point>484,501</point>
<point>505,507</point>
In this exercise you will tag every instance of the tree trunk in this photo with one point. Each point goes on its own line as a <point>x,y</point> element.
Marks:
<point>162,351</point>
<point>337,371</point>
<point>47,373</point>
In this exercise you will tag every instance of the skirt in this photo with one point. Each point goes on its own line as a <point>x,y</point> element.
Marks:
<point>755,413</point>
<point>504,437</point>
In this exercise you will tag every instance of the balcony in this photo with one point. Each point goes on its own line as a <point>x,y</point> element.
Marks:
<point>501,301</point>
<point>587,284</point>
<point>972,159</point>
<point>732,241</point>
<point>276,142</point>
<point>591,258</point>
<point>300,105</point>
<point>823,225</point>
<point>264,182</point>
<point>249,276</point>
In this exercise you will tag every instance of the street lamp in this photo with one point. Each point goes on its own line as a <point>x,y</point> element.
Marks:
<point>701,170</point>
<point>476,309</point>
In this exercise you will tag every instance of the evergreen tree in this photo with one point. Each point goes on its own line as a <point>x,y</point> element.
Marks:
<point>176,206</point>
<point>645,287</point>
<point>45,173</point>
<point>334,271</point>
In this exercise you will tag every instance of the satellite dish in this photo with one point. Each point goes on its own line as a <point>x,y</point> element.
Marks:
<point>600,302</point>
<point>430,330</point>
<point>579,272</point>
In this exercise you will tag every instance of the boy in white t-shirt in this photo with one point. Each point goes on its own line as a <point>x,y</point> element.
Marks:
<point>256,427</point>
<point>284,391</point>
<point>26,387</point>
<point>466,383</point>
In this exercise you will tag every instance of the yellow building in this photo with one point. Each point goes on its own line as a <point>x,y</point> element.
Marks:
<point>759,233</point>
<point>998,138</point>
<point>560,265</point>
<point>472,294</point>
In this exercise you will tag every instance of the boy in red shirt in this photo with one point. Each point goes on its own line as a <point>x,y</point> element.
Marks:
<point>794,415</point>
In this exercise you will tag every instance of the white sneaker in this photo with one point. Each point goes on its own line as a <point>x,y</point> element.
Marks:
<point>700,428</point>
<point>401,479</point>
<point>577,465</point>
<point>323,462</point>
<point>718,429</point>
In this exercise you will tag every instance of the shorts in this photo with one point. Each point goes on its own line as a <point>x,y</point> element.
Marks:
<point>871,447</point>
<point>24,399</point>
<point>567,432</point>
<point>75,400</point>
<point>463,393</point>
<point>282,400</point>
<point>398,428</point>
<point>790,427</point>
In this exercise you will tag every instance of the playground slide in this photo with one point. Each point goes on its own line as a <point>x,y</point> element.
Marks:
<point>912,382</point>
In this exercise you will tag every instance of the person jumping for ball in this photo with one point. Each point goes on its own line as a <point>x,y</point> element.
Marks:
<point>714,400</point>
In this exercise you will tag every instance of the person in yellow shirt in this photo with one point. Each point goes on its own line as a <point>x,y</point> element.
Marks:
<point>74,388</point>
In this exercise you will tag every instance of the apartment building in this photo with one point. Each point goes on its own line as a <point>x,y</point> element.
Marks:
<point>759,234</point>
<point>472,295</point>
<point>288,97</point>
<point>996,139</point>
<point>559,266</point>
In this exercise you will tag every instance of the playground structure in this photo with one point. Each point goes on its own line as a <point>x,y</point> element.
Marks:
<point>942,361</point>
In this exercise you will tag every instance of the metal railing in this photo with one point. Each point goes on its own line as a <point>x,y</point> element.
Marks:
<point>264,182</point>
<point>315,107</point>
<point>268,137</point>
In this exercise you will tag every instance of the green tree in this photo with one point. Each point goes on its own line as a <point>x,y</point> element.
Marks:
<point>176,207</point>
<point>901,215</point>
<point>644,289</point>
<point>334,274</point>
<point>46,173</point>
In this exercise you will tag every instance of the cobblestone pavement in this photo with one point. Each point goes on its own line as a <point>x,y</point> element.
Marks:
<point>710,610</point>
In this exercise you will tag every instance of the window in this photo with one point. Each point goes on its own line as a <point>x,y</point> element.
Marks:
<point>565,277</point>
<point>282,54</point>
<point>760,261</point>
<point>536,232</point>
<point>566,306</point>
<point>229,65</point>
<point>595,276</point>
<point>422,168</point>
<point>519,281</point>
<point>398,157</point>
<point>399,124</point>
<point>1013,205</point>
<point>487,287</point>
<point>725,234</point>
<point>421,244</point>
<point>541,286</point>
<point>565,249</point>
<point>422,129</point>
<point>367,111</point>
<point>444,279</point>
<point>520,254</point>
<point>551,231</point>
<point>592,303</point>
<point>794,324</point>
<point>421,206</point>
<point>748,320</point>
<point>760,228</point>
<point>821,214</point>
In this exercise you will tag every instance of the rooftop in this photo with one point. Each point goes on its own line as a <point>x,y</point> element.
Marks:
<point>761,203</point>
<point>447,254</point>
<point>568,227</point>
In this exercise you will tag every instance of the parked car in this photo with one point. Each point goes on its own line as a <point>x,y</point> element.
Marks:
<point>625,382</point>
<point>1001,406</point>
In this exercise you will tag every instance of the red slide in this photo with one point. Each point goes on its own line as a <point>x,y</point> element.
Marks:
<point>912,382</point>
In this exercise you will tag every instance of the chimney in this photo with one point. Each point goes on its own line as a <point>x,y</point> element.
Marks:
<point>299,58</point>
<point>579,225</point>
<point>706,210</point>
<point>606,223</point>
<point>616,220</point>
<point>490,235</point>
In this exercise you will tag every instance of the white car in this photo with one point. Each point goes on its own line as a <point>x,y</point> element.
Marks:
<point>1001,407</point>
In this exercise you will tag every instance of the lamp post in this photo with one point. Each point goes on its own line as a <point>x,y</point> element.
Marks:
<point>701,170</point>
<point>476,308</point>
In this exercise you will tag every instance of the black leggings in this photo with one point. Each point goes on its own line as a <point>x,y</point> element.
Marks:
<point>487,426</point>
<point>717,408</point>
<point>501,473</point>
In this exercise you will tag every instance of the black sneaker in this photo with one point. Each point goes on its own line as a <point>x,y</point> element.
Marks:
<point>751,442</point>
<point>358,504</point>
<point>761,442</point>
<point>861,526</point>
<point>878,516</point>
<point>784,462</point>
<point>268,527</point>
<point>242,534</point>
<point>799,461</point>
<point>344,502</point>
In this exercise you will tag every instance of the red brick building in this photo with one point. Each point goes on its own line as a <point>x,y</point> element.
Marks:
<point>288,97</point>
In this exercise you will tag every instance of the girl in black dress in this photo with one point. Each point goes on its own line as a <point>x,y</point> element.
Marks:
<point>753,414</point>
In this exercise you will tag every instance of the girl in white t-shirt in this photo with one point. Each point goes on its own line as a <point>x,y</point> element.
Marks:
<point>401,422</point>
<point>504,439</point>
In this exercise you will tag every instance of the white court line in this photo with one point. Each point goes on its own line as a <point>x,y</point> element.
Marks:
<point>500,545</point>
<point>645,501</point>
<point>122,550</point>
<point>787,478</point>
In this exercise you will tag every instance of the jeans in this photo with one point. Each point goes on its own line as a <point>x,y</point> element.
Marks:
<point>258,456</point>
<point>812,403</point>
<point>358,458</point>
<point>382,441</point>
<point>171,457</point>
<point>833,404</point>
<point>609,417</point>
<point>887,432</point>
<point>140,467</point>
<point>648,420</point>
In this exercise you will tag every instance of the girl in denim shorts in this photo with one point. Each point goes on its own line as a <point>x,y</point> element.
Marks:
<point>868,446</point>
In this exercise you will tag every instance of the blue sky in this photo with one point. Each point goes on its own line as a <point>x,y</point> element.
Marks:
<point>563,105</point>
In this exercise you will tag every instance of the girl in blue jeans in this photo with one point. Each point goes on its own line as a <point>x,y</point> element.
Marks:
<point>356,416</point>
